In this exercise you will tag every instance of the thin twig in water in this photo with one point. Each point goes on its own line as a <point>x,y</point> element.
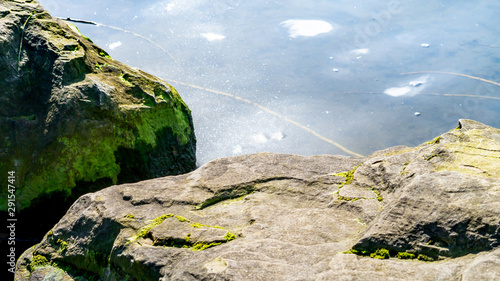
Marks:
<point>453,73</point>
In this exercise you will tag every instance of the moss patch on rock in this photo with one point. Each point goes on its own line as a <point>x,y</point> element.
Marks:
<point>185,240</point>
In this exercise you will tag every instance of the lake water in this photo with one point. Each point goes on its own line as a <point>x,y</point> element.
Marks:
<point>301,76</point>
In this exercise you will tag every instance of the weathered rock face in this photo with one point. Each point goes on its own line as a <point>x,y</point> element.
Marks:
<point>73,119</point>
<point>285,217</point>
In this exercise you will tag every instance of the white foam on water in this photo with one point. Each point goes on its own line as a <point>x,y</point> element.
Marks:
<point>259,138</point>
<point>397,91</point>
<point>237,149</point>
<point>358,52</point>
<point>410,88</point>
<point>210,36</point>
<point>306,28</point>
<point>277,136</point>
<point>114,45</point>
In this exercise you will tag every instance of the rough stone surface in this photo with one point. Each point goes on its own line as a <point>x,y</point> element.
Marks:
<point>285,217</point>
<point>73,119</point>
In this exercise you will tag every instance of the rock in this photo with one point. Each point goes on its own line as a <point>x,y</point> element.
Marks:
<point>73,119</point>
<point>274,216</point>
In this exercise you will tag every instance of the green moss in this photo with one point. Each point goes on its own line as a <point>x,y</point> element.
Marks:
<point>181,219</point>
<point>360,252</point>
<point>434,141</point>
<point>349,176</point>
<point>75,29</point>
<point>339,197</point>
<point>130,216</point>
<point>476,157</point>
<point>423,257</point>
<point>380,254</point>
<point>21,41</point>
<point>145,230</point>
<point>229,236</point>
<point>405,256</point>
<point>200,246</point>
<point>84,158</point>
<point>360,221</point>
<point>198,225</point>
<point>403,170</point>
<point>377,193</point>
<point>63,245</point>
<point>38,261</point>
<point>151,121</point>
<point>31,117</point>
<point>124,78</point>
<point>104,54</point>
<point>181,243</point>
<point>99,66</point>
<point>428,158</point>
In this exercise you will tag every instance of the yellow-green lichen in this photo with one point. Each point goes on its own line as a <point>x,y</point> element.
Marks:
<point>75,29</point>
<point>362,252</point>
<point>434,141</point>
<point>403,170</point>
<point>423,257</point>
<point>198,225</point>
<point>377,193</point>
<point>38,261</point>
<point>63,245</point>
<point>200,246</point>
<point>405,256</point>
<point>181,243</point>
<point>130,216</point>
<point>475,158</point>
<point>351,199</point>
<point>181,219</point>
<point>145,230</point>
<point>380,254</point>
<point>229,236</point>
<point>349,176</point>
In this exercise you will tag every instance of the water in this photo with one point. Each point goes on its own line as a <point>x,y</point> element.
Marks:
<point>334,67</point>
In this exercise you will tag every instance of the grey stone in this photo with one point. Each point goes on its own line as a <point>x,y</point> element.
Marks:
<point>298,218</point>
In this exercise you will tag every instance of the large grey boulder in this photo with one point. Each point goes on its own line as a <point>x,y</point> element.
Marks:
<point>272,216</point>
<point>72,119</point>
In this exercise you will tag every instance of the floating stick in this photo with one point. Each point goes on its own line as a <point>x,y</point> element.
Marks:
<point>452,73</point>
<point>433,94</point>
<point>126,31</point>
<point>460,95</point>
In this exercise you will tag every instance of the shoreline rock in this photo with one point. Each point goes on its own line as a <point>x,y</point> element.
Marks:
<point>74,120</point>
<point>72,115</point>
<point>271,216</point>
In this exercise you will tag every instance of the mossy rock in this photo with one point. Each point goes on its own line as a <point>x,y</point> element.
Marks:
<point>68,125</point>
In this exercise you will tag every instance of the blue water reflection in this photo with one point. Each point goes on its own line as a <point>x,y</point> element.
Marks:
<point>343,69</point>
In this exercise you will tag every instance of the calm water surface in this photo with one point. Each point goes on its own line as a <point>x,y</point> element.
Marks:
<point>338,68</point>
